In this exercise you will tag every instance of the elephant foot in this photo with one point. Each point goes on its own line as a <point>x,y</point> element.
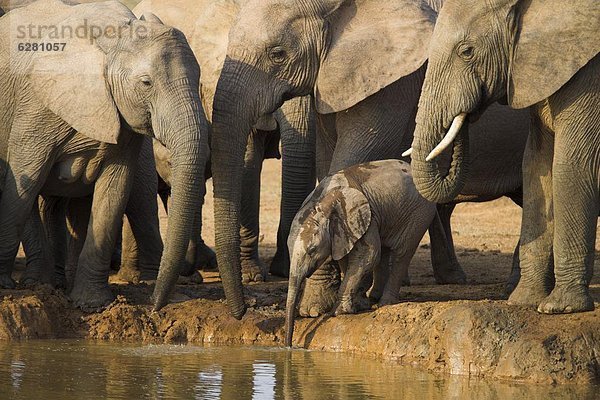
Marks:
<point>7,282</point>
<point>206,258</point>
<point>405,281</point>
<point>253,271</point>
<point>280,266</point>
<point>565,300</point>
<point>132,273</point>
<point>92,298</point>
<point>352,306</point>
<point>319,296</point>
<point>115,259</point>
<point>193,279</point>
<point>513,280</point>
<point>449,274</point>
<point>374,294</point>
<point>59,278</point>
<point>528,295</point>
<point>28,281</point>
<point>388,300</point>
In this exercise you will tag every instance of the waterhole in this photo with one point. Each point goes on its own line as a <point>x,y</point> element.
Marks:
<point>73,369</point>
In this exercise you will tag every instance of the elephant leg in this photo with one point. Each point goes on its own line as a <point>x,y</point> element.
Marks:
<point>26,173</point>
<point>380,276</point>
<point>325,143</point>
<point>164,192</point>
<point>361,261</point>
<point>37,251</point>
<point>142,243</point>
<point>54,212</point>
<point>77,218</point>
<point>576,196</point>
<point>129,269</point>
<point>537,225</point>
<point>400,260</point>
<point>446,269</point>
<point>298,134</point>
<point>253,270</point>
<point>91,290</point>
<point>205,257</point>
<point>515,272</point>
<point>320,291</point>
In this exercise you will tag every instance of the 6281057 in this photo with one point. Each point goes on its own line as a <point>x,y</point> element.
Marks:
<point>26,46</point>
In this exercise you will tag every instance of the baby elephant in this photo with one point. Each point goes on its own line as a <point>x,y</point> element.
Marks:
<point>370,218</point>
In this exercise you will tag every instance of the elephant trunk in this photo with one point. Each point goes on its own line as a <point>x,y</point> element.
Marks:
<point>186,136</point>
<point>298,137</point>
<point>293,295</point>
<point>230,128</point>
<point>427,175</point>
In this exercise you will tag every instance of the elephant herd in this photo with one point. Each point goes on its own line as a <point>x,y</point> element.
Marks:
<point>484,99</point>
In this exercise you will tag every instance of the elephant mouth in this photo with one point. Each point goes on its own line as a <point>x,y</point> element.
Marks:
<point>447,141</point>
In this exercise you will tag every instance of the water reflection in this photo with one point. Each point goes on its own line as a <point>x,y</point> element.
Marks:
<point>84,370</point>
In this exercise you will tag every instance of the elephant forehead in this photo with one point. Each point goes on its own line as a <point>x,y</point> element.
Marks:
<point>261,13</point>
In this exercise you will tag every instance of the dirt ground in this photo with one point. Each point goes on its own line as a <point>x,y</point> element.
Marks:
<point>467,329</point>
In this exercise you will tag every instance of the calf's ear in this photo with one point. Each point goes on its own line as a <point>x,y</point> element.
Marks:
<point>349,219</point>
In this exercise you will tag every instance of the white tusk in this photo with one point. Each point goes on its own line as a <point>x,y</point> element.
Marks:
<point>449,138</point>
<point>407,152</point>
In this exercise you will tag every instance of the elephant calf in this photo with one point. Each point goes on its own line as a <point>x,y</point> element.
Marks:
<point>370,218</point>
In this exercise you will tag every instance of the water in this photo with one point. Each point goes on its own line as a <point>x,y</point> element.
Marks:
<point>86,370</point>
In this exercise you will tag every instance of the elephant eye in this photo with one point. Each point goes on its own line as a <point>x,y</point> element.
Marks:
<point>466,52</point>
<point>146,80</point>
<point>277,55</point>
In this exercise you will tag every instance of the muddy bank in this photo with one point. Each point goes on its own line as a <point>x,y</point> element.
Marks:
<point>484,338</point>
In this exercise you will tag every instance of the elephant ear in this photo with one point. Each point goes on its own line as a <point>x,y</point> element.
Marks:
<point>372,44</point>
<point>150,17</point>
<point>73,85</point>
<point>349,219</point>
<point>553,40</point>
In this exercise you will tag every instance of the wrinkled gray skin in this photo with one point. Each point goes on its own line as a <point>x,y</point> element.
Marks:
<point>484,51</point>
<point>199,256</point>
<point>372,228</point>
<point>140,262</point>
<point>310,50</point>
<point>206,24</point>
<point>88,106</point>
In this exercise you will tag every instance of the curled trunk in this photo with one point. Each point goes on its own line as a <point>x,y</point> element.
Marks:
<point>429,179</point>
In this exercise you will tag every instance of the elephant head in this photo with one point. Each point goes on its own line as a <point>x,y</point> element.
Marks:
<point>136,75</point>
<point>519,51</point>
<point>330,222</point>
<point>280,49</point>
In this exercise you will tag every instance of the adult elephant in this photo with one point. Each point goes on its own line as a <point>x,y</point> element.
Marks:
<point>537,54</point>
<point>56,230</point>
<point>90,105</point>
<point>206,24</point>
<point>364,62</point>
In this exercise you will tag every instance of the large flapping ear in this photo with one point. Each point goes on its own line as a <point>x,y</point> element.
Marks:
<point>553,40</point>
<point>349,219</point>
<point>72,83</point>
<point>372,44</point>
